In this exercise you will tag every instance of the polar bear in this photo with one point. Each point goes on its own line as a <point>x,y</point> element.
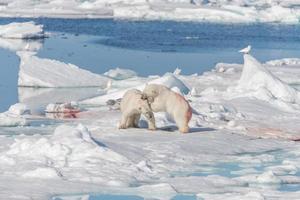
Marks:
<point>162,99</point>
<point>132,106</point>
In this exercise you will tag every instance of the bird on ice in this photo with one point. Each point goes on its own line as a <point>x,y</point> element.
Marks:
<point>246,50</point>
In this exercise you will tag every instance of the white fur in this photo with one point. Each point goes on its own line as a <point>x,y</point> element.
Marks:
<point>166,100</point>
<point>132,106</point>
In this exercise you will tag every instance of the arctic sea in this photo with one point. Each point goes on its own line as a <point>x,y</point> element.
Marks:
<point>148,47</point>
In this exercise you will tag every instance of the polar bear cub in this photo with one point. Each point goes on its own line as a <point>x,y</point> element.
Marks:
<point>165,100</point>
<point>132,106</point>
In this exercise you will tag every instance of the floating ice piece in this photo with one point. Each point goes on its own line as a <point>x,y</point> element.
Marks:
<point>120,74</point>
<point>41,72</point>
<point>255,77</point>
<point>19,109</point>
<point>246,50</point>
<point>22,30</point>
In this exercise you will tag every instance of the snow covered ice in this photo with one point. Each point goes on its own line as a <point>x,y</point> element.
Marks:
<point>224,156</point>
<point>257,78</point>
<point>25,30</point>
<point>15,116</point>
<point>237,11</point>
<point>243,142</point>
<point>42,72</point>
<point>120,74</point>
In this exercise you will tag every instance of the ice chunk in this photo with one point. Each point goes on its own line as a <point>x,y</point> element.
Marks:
<point>7,119</point>
<point>13,117</point>
<point>120,74</point>
<point>42,72</point>
<point>19,109</point>
<point>28,30</point>
<point>169,80</point>
<point>228,11</point>
<point>268,177</point>
<point>255,77</point>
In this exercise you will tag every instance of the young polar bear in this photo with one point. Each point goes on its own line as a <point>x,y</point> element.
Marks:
<point>165,100</point>
<point>132,106</point>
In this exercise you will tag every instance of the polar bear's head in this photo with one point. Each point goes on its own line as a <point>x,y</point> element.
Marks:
<point>153,90</point>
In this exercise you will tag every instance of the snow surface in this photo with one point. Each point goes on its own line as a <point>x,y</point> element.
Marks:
<point>42,72</point>
<point>228,11</point>
<point>14,116</point>
<point>24,30</point>
<point>241,145</point>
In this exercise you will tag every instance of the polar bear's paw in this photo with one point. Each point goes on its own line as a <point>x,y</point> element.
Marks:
<point>184,129</point>
<point>122,126</point>
<point>151,128</point>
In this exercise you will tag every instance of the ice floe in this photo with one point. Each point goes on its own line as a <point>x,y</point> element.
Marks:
<point>240,146</point>
<point>239,11</point>
<point>120,74</point>
<point>22,30</point>
<point>42,72</point>
<point>14,116</point>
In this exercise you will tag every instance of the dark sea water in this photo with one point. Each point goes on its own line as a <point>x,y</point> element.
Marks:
<point>148,47</point>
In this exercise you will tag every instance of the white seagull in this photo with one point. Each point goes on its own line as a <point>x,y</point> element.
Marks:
<point>246,50</point>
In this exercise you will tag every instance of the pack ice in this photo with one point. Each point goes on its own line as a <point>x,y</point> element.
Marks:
<point>228,11</point>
